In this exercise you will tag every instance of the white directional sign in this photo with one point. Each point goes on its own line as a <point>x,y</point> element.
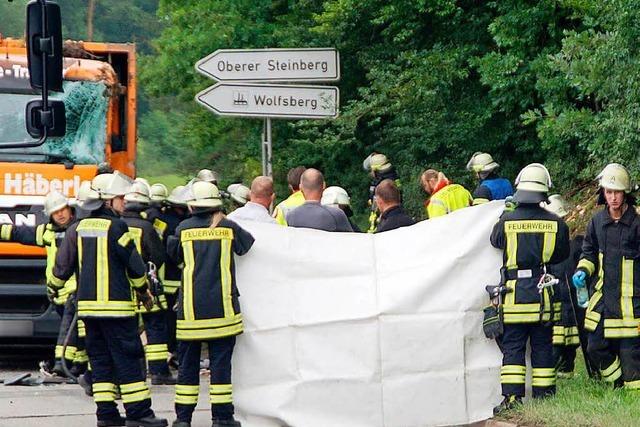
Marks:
<point>271,100</point>
<point>272,65</point>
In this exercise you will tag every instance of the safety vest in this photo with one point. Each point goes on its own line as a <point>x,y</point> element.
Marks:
<point>611,252</point>
<point>448,199</point>
<point>48,236</point>
<point>150,247</point>
<point>293,201</point>
<point>102,250</point>
<point>208,305</point>
<point>531,239</point>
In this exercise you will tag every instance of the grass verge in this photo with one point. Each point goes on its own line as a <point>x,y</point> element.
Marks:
<point>580,402</point>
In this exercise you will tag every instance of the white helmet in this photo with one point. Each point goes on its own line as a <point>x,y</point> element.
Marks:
<point>138,193</point>
<point>207,175</point>
<point>54,202</point>
<point>176,197</point>
<point>83,193</point>
<point>106,186</point>
<point>534,177</point>
<point>239,193</point>
<point>615,177</point>
<point>158,192</point>
<point>376,162</point>
<point>482,162</point>
<point>205,195</point>
<point>557,205</point>
<point>335,196</point>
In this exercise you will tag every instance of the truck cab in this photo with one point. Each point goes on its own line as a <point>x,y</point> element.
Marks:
<point>100,100</point>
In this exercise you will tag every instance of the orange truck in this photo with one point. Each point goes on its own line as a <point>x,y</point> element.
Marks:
<point>100,101</point>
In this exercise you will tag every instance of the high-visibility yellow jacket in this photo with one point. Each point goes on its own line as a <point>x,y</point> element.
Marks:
<point>293,201</point>
<point>49,236</point>
<point>208,305</point>
<point>448,199</point>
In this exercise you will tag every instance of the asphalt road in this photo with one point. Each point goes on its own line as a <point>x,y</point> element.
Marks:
<point>66,404</point>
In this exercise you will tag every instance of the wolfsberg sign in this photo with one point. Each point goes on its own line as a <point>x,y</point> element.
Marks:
<point>271,100</point>
<point>274,65</point>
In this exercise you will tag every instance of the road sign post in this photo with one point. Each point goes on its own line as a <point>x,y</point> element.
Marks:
<point>242,92</point>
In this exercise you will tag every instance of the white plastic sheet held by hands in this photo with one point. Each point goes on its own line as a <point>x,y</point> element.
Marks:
<point>345,329</point>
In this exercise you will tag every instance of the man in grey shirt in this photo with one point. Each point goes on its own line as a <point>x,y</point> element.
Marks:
<point>312,214</point>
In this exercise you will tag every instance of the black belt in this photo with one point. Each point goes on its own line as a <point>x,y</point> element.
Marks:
<point>522,273</point>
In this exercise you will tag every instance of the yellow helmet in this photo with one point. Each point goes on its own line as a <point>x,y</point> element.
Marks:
<point>239,193</point>
<point>54,201</point>
<point>335,195</point>
<point>205,194</point>
<point>207,175</point>
<point>615,177</point>
<point>535,178</point>
<point>158,192</point>
<point>482,162</point>
<point>138,193</point>
<point>376,162</point>
<point>557,205</point>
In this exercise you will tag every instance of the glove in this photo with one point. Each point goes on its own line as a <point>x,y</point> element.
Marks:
<point>146,299</point>
<point>492,325</point>
<point>509,204</point>
<point>52,293</point>
<point>579,279</point>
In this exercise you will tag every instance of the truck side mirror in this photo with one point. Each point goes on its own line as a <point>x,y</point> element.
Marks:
<point>53,118</point>
<point>44,45</point>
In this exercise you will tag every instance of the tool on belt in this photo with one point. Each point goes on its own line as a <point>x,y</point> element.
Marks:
<point>493,322</point>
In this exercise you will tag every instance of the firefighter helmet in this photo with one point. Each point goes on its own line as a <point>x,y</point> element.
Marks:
<point>138,193</point>
<point>557,205</point>
<point>534,177</point>
<point>335,196</point>
<point>376,162</point>
<point>83,193</point>
<point>207,175</point>
<point>54,201</point>
<point>158,192</point>
<point>615,177</point>
<point>482,162</point>
<point>176,196</point>
<point>205,195</point>
<point>239,193</point>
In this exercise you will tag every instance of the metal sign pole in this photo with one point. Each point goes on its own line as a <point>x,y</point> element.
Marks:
<point>269,147</point>
<point>263,147</point>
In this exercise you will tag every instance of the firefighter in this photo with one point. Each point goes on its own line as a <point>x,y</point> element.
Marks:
<point>532,239</point>
<point>379,168</point>
<point>158,193</point>
<point>238,194</point>
<point>610,254</point>
<point>101,249</point>
<point>208,309</point>
<point>207,175</point>
<point>174,213</point>
<point>50,235</point>
<point>153,253</point>
<point>338,197</point>
<point>491,185</point>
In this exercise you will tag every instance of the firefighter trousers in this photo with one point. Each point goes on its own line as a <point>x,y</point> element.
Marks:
<point>220,390</point>
<point>615,358</point>
<point>75,352</point>
<point>171,317</point>
<point>156,349</point>
<point>115,349</point>
<point>514,369</point>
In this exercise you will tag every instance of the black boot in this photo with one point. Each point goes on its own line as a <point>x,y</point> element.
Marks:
<point>163,379</point>
<point>178,423</point>
<point>151,421</point>
<point>508,403</point>
<point>58,369</point>
<point>225,422</point>
<point>117,422</point>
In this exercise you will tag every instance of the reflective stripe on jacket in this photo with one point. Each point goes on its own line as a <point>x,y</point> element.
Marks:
<point>531,238</point>
<point>101,249</point>
<point>611,249</point>
<point>448,199</point>
<point>208,304</point>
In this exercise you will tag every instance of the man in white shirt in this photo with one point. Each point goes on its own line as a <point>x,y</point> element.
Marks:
<point>260,198</point>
